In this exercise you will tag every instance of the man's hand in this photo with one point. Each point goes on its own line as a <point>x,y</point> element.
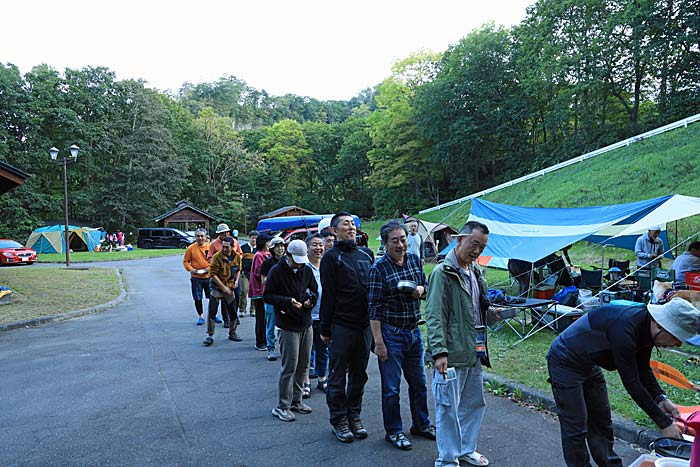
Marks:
<point>308,304</point>
<point>418,293</point>
<point>441,365</point>
<point>296,304</point>
<point>380,351</point>
<point>669,408</point>
<point>227,291</point>
<point>672,431</point>
<point>235,285</point>
<point>325,339</point>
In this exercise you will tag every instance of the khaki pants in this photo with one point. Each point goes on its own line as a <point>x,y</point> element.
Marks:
<point>243,302</point>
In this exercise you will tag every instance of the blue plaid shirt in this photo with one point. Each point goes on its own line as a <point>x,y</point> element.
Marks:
<point>386,303</point>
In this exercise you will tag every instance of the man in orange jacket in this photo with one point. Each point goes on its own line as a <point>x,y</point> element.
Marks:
<point>196,262</point>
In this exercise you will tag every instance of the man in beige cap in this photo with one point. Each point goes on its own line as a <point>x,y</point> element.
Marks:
<point>614,338</point>
<point>222,231</point>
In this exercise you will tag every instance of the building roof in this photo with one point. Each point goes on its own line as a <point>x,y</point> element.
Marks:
<point>185,205</point>
<point>10,177</point>
<point>284,210</point>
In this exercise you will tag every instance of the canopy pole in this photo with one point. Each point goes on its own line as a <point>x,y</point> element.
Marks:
<point>675,249</point>
<point>602,267</point>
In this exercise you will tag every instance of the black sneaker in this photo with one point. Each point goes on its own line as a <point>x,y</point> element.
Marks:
<point>428,433</point>
<point>208,341</point>
<point>227,324</point>
<point>357,429</point>
<point>261,348</point>
<point>341,430</point>
<point>235,337</point>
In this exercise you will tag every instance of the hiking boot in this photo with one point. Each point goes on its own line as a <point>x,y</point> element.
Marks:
<point>399,441</point>
<point>208,341</point>
<point>341,430</point>
<point>271,357</point>
<point>357,429</point>
<point>234,337</point>
<point>283,414</point>
<point>227,324</point>
<point>300,407</point>
<point>428,433</point>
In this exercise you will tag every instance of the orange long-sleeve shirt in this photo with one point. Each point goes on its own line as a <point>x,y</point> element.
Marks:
<point>196,258</point>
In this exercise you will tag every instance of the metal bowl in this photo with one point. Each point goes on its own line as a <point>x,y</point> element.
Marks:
<point>407,287</point>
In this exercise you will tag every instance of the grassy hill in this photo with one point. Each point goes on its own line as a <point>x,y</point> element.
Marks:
<point>660,165</point>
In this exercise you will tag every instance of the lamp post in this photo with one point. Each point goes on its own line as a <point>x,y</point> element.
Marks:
<point>244,197</point>
<point>54,158</point>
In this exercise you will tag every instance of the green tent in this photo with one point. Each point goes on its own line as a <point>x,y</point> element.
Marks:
<point>51,239</point>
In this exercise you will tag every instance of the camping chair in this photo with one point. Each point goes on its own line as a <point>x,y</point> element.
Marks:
<point>624,266</point>
<point>591,279</point>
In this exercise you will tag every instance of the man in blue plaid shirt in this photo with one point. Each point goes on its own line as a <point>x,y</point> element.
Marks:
<point>398,342</point>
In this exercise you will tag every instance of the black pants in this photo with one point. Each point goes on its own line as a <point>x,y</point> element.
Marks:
<point>260,331</point>
<point>584,415</point>
<point>349,355</point>
<point>225,305</point>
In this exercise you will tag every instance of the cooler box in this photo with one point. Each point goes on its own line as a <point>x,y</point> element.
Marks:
<point>544,293</point>
<point>644,278</point>
<point>692,280</point>
<point>665,275</point>
<point>566,316</point>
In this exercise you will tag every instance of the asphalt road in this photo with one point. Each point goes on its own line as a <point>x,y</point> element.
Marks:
<point>134,386</point>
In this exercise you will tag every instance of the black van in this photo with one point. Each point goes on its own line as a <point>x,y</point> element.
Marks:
<point>159,237</point>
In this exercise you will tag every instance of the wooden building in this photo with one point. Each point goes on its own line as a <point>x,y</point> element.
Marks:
<point>288,211</point>
<point>10,177</point>
<point>186,217</point>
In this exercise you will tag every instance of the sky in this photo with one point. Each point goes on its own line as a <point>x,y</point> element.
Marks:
<point>321,49</point>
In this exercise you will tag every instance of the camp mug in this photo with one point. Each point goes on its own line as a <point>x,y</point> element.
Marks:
<point>480,335</point>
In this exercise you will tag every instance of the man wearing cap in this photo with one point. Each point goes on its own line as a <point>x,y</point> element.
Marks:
<point>222,230</point>
<point>614,338</point>
<point>291,289</point>
<point>196,263</point>
<point>225,270</point>
<point>649,249</point>
<point>324,225</point>
<point>248,250</point>
<point>415,241</point>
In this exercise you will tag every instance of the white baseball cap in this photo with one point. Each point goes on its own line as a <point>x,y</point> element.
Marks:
<point>324,223</point>
<point>297,249</point>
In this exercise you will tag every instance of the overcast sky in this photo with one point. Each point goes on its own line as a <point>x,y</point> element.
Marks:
<point>323,49</point>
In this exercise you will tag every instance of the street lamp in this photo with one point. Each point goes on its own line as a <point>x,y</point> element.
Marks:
<point>54,158</point>
<point>244,196</point>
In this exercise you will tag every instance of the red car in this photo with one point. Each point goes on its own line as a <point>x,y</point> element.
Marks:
<point>12,252</point>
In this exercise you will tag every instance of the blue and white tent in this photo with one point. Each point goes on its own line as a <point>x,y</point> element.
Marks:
<point>531,234</point>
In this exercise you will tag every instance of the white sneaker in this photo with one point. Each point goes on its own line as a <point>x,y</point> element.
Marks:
<point>283,414</point>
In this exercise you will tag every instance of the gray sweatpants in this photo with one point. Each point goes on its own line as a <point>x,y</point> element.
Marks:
<point>295,348</point>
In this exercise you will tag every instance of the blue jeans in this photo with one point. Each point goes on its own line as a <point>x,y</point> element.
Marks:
<point>321,351</point>
<point>405,354</point>
<point>200,287</point>
<point>459,410</point>
<point>270,326</point>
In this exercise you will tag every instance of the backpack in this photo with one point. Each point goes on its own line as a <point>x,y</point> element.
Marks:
<point>566,296</point>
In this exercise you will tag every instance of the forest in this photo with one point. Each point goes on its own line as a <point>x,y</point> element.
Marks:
<point>573,76</point>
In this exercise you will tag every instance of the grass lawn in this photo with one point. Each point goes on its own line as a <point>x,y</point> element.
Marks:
<point>48,291</point>
<point>91,257</point>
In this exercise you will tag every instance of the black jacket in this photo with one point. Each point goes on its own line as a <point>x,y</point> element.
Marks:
<point>281,286</point>
<point>345,283</point>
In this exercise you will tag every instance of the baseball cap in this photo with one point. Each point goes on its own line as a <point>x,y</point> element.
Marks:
<point>655,227</point>
<point>324,223</point>
<point>297,249</point>
<point>222,228</point>
<point>679,317</point>
<point>276,241</point>
<point>235,233</point>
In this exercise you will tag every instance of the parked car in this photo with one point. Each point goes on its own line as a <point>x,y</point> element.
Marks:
<point>163,237</point>
<point>12,252</point>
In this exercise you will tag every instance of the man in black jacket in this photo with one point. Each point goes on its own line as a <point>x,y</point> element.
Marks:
<point>614,338</point>
<point>291,288</point>
<point>345,326</point>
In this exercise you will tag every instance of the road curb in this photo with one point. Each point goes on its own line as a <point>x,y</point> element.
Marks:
<point>624,429</point>
<point>71,314</point>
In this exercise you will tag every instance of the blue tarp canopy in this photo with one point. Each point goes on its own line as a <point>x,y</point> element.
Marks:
<point>531,234</point>
<point>292,222</point>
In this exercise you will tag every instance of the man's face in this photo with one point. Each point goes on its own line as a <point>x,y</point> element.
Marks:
<point>663,338</point>
<point>413,227</point>
<point>328,242</point>
<point>294,265</point>
<point>316,248</point>
<point>225,234</point>
<point>470,247</point>
<point>346,230</point>
<point>227,248</point>
<point>252,240</point>
<point>654,234</point>
<point>200,238</point>
<point>278,250</point>
<point>396,244</point>
<point>695,252</point>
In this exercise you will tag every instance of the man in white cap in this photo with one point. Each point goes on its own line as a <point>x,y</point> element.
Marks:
<point>614,338</point>
<point>649,248</point>
<point>324,225</point>
<point>291,288</point>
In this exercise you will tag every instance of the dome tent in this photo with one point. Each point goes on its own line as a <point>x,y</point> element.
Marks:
<point>51,239</point>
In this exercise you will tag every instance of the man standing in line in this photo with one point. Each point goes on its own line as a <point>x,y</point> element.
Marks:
<point>291,289</point>
<point>398,343</point>
<point>415,241</point>
<point>222,231</point>
<point>456,315</point>
<point>195,261</point>
<point>329,239</point>
<point>649,249</point>
<point>248,251</point>
<point>224,270</point>
<point>345,325</point>
<point>320,349</point>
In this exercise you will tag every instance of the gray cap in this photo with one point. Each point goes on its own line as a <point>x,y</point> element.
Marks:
<point>298,250</point>
<point>679,317</point>
<point>222,228</point>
